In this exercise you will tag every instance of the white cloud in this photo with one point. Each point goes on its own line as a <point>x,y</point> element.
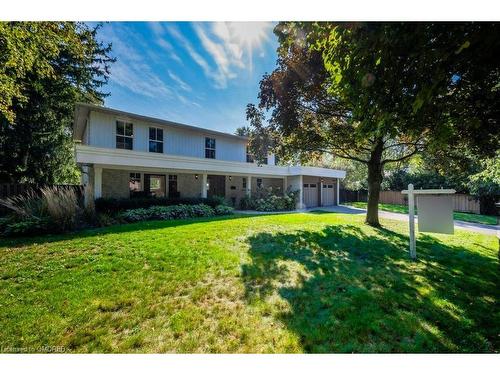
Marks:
<point>229,44</point>
<point>131,70</point>
<point>183,85</point>
<point>158,32</point>
<point>219,79</point>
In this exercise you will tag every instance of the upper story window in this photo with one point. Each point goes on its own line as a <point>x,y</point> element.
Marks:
<point>124,135</point>
<point>210,148</point>
<point>156,140</point>
<point>265,161</point>
<point>249,156</point>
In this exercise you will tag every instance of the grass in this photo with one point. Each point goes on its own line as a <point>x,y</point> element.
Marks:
<point>403,209</point>
<point>310,282</point>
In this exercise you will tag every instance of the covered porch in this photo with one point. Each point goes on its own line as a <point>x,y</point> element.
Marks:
<point>116,173</point>
<point>120,182</point>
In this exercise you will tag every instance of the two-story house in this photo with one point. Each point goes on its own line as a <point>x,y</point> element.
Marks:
<point>124,155</point>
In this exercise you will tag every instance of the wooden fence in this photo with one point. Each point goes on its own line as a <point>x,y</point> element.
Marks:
<point>461,202</point>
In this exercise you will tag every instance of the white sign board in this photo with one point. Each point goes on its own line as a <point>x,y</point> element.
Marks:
<point>435,213</point>
<point>434,219</point>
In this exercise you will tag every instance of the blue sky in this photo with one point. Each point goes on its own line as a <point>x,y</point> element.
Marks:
<point>197,73</point>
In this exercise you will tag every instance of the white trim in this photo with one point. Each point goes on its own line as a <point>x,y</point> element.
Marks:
<point>430,191</point>
<point>138,159</point>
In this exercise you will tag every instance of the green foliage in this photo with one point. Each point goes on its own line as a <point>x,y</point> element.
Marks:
<point>222,210</point>
<point>53,209</point>
<point>45,68</point>
<point>379,93</point>
<point>174,212</point>
<point>29,227</point>
<point>487,182</point>
<point>113,205</point>
<point>269,200</point>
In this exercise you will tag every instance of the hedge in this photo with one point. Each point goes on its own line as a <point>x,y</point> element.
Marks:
<point>113,205</point>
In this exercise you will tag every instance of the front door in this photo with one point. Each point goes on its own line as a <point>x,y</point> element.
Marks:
<point>216,185</point>
<point>154,185</point>
<point>172,186</point>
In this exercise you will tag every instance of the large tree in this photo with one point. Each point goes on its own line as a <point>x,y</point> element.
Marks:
<point>379,93</point>
<point>45,68</point>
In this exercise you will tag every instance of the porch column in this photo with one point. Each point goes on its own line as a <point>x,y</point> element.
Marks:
<point>249,185</point>
<point>97,182</point>
<point>204,185</point>
<point>338,191</point>
<point>301,193</point>
<point>285,185</point>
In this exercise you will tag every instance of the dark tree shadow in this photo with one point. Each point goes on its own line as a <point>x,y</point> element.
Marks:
<point>347,291</point>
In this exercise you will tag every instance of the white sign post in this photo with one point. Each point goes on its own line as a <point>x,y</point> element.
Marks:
<point>411,213</point>
<point>444,215</point>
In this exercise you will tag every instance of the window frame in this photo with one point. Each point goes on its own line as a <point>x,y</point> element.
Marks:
<point>124,136</point>
<point>250,158</point>
<point>210,150</point>
<point>137,179</point>
<point>156,141</point>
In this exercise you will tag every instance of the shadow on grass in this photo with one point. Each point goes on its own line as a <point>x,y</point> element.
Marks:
<point>347,291</point>
<point>113,229</point>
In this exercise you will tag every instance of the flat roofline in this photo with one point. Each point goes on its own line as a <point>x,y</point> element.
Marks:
<point>78,125</point>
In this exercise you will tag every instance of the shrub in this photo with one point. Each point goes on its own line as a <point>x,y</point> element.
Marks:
<point>28,227</point>
<point>181,211</point>
<point>113,205</point>
<point>223,210</point>
<point>270,202</point>
<point>54,209</point>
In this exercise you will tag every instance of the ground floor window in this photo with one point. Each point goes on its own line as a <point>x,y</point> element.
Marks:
<point>135,182</point>
<point>259,183</point>
<point>154,185</point>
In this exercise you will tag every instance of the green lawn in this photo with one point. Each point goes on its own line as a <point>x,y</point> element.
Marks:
<point>310,282</point>
<point>402,209</point>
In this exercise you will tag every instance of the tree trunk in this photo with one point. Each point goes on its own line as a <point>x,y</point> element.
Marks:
<point>375,168</point>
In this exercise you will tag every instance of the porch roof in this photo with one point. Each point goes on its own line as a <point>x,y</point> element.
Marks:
<point>129,159</point>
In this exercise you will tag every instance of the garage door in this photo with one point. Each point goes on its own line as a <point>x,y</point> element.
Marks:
<point>311,195</point>
<point>328,195</point>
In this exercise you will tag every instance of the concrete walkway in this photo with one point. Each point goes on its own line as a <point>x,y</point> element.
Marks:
<point>493,230</point>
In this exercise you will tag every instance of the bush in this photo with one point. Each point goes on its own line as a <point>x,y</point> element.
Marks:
<point>181,211</point>
<point>28,227</point>
<point>54,209</point>
<point>270,202</point>
<point>223,210</point>
<point>114,205</point>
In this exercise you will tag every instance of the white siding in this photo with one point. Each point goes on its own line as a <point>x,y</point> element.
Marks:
<point>183,142</point>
